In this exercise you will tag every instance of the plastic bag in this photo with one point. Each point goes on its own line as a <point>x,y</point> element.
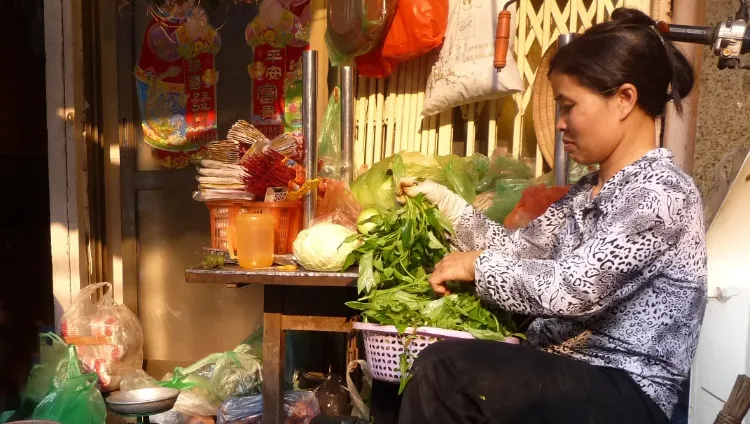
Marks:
<point>355,27</point>
<point>229,374</point>
<point>299,408</point>
<point>373,65</point>
<point>376,189</point>
<point>195,399</point>
<point>463,69</point>
<point>49,375</point>
<point>108,336</point>
<point>505,198</point>
<point>418,27</point>
<point>360,408</point>
<point>338,205</point>
<point>534,202</point>
<point>332,396</point>
<point>502,168</point>
<point>76,401</point>
<point>329,153</point>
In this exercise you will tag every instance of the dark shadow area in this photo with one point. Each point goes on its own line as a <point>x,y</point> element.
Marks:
<point>26,304</point>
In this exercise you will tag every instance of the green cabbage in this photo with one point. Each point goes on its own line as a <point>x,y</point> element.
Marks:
<point>322,247</point>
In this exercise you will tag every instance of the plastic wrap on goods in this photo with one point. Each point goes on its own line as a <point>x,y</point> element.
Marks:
<point>108,336</point>
<point>299,408</point>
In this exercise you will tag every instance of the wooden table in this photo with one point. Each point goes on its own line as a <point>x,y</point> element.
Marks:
<point>299,300</point>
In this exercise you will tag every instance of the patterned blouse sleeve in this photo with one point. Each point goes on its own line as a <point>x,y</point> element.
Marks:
<point>474,231</point>
<point>607,266</point>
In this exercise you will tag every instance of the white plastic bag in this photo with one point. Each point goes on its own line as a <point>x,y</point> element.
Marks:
<point>463,69</point>
<point>108,336</point>
<point>359,407</point>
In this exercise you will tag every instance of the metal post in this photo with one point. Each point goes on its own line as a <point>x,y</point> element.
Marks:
<point>310,128</point>
<point>561,167</point>
<point>347,122</point>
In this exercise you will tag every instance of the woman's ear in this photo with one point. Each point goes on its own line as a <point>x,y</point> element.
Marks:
<point>627,99</point>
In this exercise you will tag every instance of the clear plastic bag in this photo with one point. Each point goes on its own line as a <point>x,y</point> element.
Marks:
<point>220,375</point>
<point>355,27</point>
<point>330,138</point>
<point>192,401</point>
<point>108,336</point>
<point>299,408</point>
<point>76,400</point>
<point>338,205</point>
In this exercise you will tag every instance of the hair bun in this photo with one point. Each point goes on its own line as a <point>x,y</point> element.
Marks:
<point>632,17</point>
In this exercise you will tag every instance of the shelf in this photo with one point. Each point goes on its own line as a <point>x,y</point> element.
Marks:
<point>234,276</point>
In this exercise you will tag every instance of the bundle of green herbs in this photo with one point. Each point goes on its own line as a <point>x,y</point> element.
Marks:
<point>395,260</point>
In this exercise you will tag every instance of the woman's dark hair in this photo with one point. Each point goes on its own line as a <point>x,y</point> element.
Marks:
<point>628,49</point>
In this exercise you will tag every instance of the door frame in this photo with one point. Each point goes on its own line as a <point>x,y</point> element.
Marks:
<point>67,162</point>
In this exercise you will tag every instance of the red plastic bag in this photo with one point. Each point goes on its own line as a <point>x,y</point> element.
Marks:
<point>534,202</point>
<point>418,27</point>
<point>374,65</point>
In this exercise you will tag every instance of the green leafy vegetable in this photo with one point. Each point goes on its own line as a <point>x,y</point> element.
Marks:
<point>395,260</point>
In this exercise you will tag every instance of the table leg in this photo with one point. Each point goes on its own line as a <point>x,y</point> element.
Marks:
<point>273,356</point>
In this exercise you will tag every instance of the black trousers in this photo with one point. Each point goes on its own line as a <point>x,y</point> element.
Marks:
<point>474,381</point>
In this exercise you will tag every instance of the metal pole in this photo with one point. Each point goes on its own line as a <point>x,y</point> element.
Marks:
<point>347,122</point>
<point>561,167</point>
<point>310,128</point>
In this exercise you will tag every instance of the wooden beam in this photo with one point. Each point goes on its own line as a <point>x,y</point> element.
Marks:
<point>107,14</point>
<point>67,168</point>
<point>318,25</point>
<point>273,355</point>
<point>679,131</point>
<point>315,323</point>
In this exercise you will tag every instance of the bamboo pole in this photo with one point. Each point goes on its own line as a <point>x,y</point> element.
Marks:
<point>407,142</point>
<point>370,130</point>
<point>390,106</point>
<point>399,110</point>
<point>379,105</point>
<point>359,141</point>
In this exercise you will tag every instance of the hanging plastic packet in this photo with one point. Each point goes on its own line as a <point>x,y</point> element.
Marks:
<point>355,27</point>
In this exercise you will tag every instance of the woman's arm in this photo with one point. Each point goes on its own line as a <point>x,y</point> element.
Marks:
<point>474,231</point>
<point>626,248</point>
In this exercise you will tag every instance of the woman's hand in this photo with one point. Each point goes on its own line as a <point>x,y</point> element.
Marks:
<point>458,266</point>
<point>449,203</point>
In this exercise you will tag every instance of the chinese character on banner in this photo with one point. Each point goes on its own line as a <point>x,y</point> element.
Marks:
<point>176,85</point>
<point>278,40</point>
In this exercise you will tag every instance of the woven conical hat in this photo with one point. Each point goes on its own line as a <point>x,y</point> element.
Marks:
<point>544,107</point>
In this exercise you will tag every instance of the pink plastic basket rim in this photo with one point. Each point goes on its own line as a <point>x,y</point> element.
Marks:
<point>421,331</point>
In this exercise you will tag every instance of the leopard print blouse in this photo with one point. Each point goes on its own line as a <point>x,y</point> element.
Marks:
<point>617,281</point>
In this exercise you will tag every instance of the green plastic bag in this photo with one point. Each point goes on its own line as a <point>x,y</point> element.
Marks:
<point>220,376</point>
<point>507,195</point>
<point>330,138</point>
<point>376,187</point>
<point>503,168</point>
<point>49,375</point>
<point>76,401</point>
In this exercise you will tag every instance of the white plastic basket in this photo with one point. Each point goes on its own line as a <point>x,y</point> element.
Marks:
<point>384,346</point>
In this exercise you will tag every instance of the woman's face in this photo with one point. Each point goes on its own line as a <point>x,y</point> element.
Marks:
<point>590,121</point>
